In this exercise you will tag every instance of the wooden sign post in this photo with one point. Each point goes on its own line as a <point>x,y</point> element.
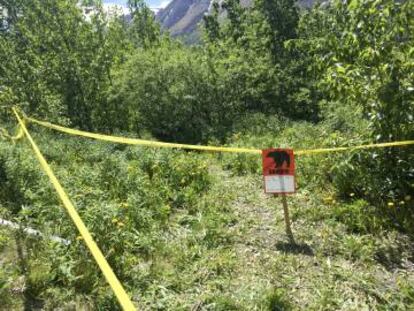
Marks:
<point>287,220</point>
<point>279,179</point>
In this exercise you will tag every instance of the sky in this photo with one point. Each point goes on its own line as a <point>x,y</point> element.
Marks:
<point>151,3</point>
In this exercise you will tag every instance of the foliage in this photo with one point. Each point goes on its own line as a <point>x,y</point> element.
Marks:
<point>58,65</point>
<point>161,89</point>
<point>143,31</point>
<point>275,301</point>
<point>273,79</point>
<point>185,230</point>
<point>362,51</point>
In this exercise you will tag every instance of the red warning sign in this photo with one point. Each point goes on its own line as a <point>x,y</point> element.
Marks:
<point>279,171</point>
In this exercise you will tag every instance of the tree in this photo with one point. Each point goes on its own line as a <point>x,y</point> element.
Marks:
<point>363,51</point>
<point>57,65</point>
<point>281,17</point>
<point>211,23</point>
<point>253,41</point>
<point>144,30</point>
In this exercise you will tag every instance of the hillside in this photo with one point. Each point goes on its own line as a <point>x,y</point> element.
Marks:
<point>182,16</point>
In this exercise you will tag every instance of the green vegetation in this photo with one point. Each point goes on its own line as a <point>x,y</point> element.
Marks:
<point>191,230</point>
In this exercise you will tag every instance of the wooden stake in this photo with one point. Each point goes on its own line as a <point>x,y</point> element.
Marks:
<point>287,219</point>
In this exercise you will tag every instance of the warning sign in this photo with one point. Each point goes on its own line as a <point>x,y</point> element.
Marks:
<point>279,171</point>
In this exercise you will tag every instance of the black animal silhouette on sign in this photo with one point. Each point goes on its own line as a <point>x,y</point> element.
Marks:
<point>280,157</point>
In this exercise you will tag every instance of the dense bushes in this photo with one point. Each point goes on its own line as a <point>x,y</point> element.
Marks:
<point>168,91</point>
<point>186,95</point>
<point>342,64</point>
<point>363,53</point>
<point>57,64</point>
<point>53,62</point>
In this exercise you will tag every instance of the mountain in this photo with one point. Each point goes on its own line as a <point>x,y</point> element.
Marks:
<point>181,17</point>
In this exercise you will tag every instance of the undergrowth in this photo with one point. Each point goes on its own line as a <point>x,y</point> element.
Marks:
<point>193,231</point>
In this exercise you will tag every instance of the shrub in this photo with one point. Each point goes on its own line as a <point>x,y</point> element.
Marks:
<point>168,91</point>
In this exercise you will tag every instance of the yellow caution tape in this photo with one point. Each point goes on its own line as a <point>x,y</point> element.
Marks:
<point>110,276</point>
<point>380,145</point>
<point>133,141</point>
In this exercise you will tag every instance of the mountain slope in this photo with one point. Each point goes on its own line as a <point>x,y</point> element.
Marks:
<point>182,16</point>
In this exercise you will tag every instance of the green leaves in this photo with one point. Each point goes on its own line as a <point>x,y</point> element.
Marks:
<point>58,64</point>
<point>143,31</point>
<point>363,55</point>
<point>353,4</point>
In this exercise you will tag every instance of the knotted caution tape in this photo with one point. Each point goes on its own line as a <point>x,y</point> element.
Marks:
<point>4,133</point>
<point>150,143</point>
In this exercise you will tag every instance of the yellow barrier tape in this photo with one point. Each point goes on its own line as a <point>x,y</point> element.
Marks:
<point>110,276</point>
<point>369,146</point>
<point>134,141</point>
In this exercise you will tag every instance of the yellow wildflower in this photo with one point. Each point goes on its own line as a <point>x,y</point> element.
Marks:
<point>390,204</point>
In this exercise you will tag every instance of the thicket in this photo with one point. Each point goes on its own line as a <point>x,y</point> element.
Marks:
<point>271,58</point>
<point>363,51</point>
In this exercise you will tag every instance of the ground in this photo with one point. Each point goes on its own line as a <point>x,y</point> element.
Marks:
<point>328,269</point>
<point>253,266</point>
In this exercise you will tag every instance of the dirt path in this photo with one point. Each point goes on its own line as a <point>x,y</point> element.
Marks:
<point>328,269</point>
<point>259,238</point>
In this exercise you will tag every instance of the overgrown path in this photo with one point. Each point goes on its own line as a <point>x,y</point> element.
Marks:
<point>330,268</point>
<point>232,253</point>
